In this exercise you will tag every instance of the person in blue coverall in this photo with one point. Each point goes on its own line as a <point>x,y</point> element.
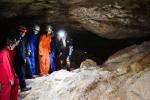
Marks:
<point>33,43</point>
<point>20,58</point>
<point>53,55</point>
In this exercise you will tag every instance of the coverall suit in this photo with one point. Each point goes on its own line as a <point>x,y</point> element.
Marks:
<point>44,50</point>
<point>7,74</point>
<point>33,43</point>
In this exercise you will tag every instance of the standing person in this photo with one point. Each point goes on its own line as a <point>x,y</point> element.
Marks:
<point>20,58</point>
<point>33,43</point>
<point>44,50</point>
<point>15,88</point>
<point>66,49</point>
<point>9,82</point>
<point>53,55</point>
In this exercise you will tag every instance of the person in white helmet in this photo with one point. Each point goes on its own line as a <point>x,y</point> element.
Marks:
<point>33,45</point>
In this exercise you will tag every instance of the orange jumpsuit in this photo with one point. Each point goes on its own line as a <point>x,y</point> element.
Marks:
<point>44,50</point>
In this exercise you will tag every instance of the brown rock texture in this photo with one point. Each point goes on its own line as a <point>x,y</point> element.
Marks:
<point>113,19</point>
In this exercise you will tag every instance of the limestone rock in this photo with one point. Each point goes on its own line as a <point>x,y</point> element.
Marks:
<point>89,84</point>
<point>88,63</point>
<point>137,67</point>
<point>128,79</point>
<point>131,59</point>
<point>123,69</point>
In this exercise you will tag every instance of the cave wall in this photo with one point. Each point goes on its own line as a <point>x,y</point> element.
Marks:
<point>115,19</point>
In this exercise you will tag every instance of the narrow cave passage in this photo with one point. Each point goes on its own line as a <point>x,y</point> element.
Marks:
<point>90,46</point>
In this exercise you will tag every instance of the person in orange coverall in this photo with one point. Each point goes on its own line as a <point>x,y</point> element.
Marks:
<point>9,82</point>
<point>44,51</point>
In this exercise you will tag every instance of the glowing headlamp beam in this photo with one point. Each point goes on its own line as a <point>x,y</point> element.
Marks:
<point>61,33</point>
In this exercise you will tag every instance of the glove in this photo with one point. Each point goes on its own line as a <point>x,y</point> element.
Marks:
<point>60,54</point>
<point>11,82</point>
<point>25,61</point>
<point>28,53</point>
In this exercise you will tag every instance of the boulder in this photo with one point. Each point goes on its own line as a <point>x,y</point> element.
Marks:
<point>88,63</point>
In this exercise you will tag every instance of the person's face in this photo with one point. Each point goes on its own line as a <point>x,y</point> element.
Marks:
<point>36,32</point>
<point>49,30</point>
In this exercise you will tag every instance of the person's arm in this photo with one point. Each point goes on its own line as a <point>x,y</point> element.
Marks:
<point>70,50</point>
<point>23,51</point>
<point>2,71</point>
<point>28,49</point>
<point>40,46</point>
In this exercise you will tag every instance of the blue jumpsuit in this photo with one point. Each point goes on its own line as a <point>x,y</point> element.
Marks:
<point>33,43</point>
<point>53,56</point>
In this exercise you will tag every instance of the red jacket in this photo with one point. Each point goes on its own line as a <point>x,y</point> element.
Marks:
<point>6,71</point>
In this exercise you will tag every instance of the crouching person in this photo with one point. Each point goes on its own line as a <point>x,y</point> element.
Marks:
<point>65,48</point>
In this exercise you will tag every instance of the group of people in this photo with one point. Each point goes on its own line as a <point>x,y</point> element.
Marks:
<point>34,54</point>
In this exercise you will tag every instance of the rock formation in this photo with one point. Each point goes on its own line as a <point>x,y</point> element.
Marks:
<point>88,63</point>
<point>107,18</point>
<point>126,79</point>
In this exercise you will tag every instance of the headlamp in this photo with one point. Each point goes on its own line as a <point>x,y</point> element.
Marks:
<point>61,33</point>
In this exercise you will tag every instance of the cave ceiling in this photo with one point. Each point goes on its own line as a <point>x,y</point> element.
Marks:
<point>114,19</point>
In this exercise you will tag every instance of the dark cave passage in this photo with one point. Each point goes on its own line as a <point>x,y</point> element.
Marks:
<point>98,48</point>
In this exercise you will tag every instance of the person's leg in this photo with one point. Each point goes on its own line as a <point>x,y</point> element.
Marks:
<point>52,63</point>
<point>47,64</point>
<point>28,68</point>
<point>33,62</point>
<point>42,65</point>
<point>32,66</point>
<point>57,62</point>
<point>62,61</point>
<point>36,64</point>
<point>22,77</point>
<point>68,64</point>
<point>5,90</point>
<point>14,90</point>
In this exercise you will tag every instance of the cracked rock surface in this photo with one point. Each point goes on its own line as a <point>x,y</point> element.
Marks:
<point>113,19</point>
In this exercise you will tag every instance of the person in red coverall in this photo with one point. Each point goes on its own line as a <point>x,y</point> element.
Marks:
<point>9,82</point>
